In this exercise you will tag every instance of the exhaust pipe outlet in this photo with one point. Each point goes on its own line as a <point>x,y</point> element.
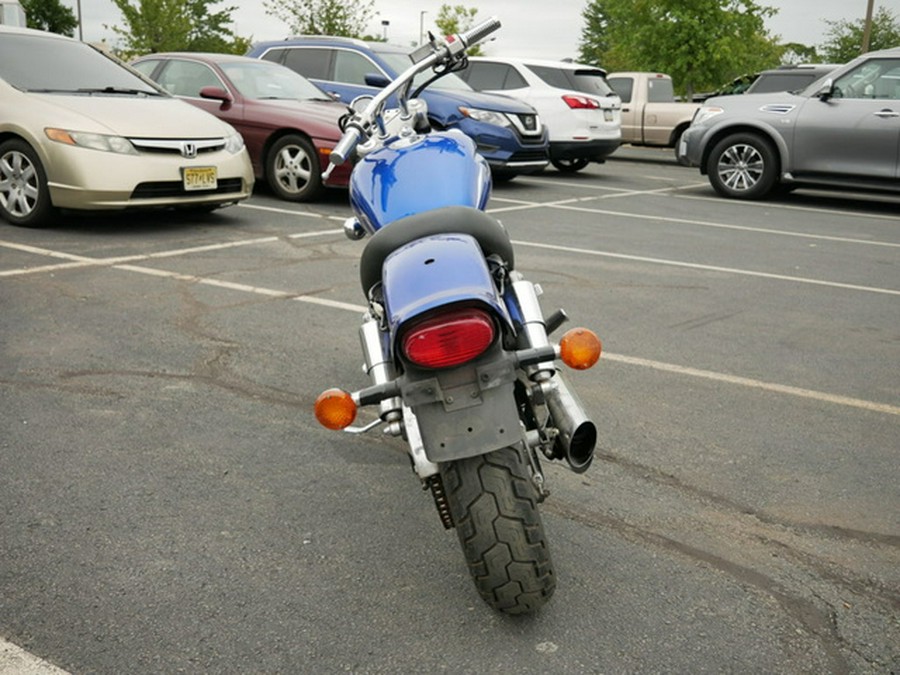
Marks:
<point>577,434</point>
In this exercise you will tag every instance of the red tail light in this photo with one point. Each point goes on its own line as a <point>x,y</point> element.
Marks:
<point>576,102</point>
<point>449,339</point>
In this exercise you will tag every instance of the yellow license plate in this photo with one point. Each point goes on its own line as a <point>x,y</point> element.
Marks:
<point>199,178</point>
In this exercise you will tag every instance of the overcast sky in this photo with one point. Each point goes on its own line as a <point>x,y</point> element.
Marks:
<point>536,28</point>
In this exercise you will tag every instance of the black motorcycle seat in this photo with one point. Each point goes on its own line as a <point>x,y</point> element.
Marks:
<point>486,230</point>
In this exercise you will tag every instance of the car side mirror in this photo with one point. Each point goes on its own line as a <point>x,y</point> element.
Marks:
<point>216,94</point>
<point>377,80</point>
<point>826,91</point>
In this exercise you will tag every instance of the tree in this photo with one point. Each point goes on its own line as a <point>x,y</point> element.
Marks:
<point>323,17</point>
<point>457,19</point>
<point>176,25</point>
<point>796,52</point>
<point>51,16</point>
<point>700,43</point>
<point>844,39</point>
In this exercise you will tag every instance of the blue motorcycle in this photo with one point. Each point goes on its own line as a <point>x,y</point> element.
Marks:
<point>454,339</point>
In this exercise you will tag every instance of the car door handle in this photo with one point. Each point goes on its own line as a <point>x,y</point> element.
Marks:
<point>887,113</point>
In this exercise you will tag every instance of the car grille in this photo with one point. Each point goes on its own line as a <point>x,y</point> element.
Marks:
<point>528,125</point>
<point>529,122</point>
<point>186,148</point>
<point>154,190</point>
<point>529,156</point>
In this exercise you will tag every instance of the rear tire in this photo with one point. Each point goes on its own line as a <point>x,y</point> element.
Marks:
<point>569,165</point>
<point>494,507</point>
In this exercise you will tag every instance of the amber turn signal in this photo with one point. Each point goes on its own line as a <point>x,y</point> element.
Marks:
<point>335,409</point>
<point>580,348</point>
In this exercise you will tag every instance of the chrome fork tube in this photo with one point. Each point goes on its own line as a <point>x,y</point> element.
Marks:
<point>526,294</point>
<point>378,366</point>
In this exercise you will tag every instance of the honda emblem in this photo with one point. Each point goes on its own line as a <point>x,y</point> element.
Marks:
<point>189,150</point>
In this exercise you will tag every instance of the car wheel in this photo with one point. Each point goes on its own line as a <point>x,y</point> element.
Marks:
<point>743,166</point>
<point>24,195</point>
<point>569,165</point>
<point>292,169</point>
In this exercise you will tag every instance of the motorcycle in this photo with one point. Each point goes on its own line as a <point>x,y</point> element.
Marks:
<point>454,340</point>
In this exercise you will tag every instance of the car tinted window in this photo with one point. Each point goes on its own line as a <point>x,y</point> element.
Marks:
<point>274,55</point>
<point>782,82</point>
<point>352,68</point>
<point>660,90</point>
<point>261,80</point>
<point>41,63</point>
<point>187,78</point>
<point>486,75</point>
<point>623,86</point>
<point>875,79</point>
<point>312,62</point>
<point>585,80</point>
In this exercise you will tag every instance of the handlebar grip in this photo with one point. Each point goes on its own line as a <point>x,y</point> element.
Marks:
<point>345,146</point>
<point>481,31</point>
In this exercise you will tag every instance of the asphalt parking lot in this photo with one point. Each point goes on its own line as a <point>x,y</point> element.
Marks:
<point>168,503</point>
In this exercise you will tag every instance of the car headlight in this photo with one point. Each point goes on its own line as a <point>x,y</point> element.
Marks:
<point>486,116</point>
<point>706,112</point>
<point>234,143</point>
<point>84,139</point>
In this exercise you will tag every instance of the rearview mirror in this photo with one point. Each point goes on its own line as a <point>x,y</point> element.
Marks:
<point>216,94</point>
<point>826,91</point>
<point>377,80</point>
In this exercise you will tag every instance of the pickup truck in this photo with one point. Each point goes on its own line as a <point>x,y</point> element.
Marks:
<point>650,113</point>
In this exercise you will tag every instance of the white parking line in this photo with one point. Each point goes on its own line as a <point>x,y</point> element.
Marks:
<point>124,263</point>
<point>568,204</point>
<point>710,268</point>
<point>16,661</point>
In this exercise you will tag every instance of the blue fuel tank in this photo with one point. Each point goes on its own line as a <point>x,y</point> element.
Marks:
<point>418,174</point>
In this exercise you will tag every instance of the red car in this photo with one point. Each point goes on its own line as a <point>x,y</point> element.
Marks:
<point>289,125</point>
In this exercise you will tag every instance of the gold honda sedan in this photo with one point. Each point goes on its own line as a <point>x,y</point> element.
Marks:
<point>80,131</point>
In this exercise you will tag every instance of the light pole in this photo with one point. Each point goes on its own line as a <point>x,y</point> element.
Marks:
<point>422,26</point>
<point>385,23</point>
<point>80,35</point>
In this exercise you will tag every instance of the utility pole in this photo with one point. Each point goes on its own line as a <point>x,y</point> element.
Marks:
<point>867,30</point>
<point>80,33</point>
<point>422,26</point>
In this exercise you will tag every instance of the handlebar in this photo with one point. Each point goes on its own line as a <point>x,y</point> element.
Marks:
<point>345,147</point>
<point>446,51</point>
<point>481,31</point>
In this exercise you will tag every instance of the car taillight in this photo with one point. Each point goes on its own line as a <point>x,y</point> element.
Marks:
<point>576,102</point>
<point>449,339</point>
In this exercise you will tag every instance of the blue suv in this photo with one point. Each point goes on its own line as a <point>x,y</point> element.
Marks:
<point>507,132</point>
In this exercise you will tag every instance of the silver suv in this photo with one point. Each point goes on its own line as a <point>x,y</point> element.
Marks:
<point>841,132</point>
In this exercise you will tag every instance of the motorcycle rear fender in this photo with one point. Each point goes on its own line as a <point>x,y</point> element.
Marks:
<point>435,271</point>
<point>465,411</point>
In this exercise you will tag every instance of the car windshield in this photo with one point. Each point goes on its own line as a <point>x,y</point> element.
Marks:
<point>584,80</point>
<point>49,64</point>
<point>400,62</point>
<point>266,80</point>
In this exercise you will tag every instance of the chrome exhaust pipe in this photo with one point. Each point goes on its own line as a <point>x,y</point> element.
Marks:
<point>577,434</point>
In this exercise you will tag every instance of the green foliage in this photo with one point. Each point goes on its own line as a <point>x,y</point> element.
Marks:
<point>323,17</point>
<point>176,25</point>
<point>844,39</point>
<point>51,16</point>
<point>700,43</point>
<point>457,19</point>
